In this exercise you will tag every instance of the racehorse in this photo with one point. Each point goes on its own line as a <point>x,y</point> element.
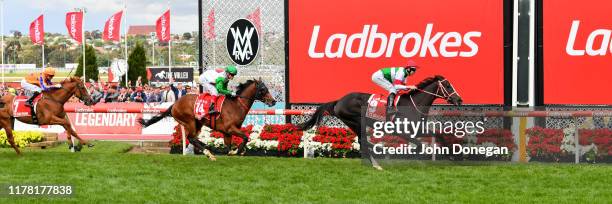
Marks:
<point>230,120</point>
<point>49,110</point>
<point>415,105</point>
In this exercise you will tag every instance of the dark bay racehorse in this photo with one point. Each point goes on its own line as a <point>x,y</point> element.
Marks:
<point>233,113</point>
<point>415,105</point>
<point>49,110</point>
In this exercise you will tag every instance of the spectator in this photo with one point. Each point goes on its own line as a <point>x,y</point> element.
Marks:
<point>189,91</point>
<point>124,95</point>
<point>111,95</point>
<point>139,95</point>
<point>154,96</point>
<point>178,90</point>
<point>168,95</point>
<point>96,94</point>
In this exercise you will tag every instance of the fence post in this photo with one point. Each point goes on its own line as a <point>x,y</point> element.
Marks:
<point>576,141</point>
<point>184,140</point>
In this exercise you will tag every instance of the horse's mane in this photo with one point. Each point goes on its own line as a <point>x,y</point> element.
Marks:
<point>70,79</point>
<point>426,82</point>
<point>243,86</point>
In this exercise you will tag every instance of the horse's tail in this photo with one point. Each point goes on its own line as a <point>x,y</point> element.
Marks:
<point>154,119</point>
<point>318,115</point>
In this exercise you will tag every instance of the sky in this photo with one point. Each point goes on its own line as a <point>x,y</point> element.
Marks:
<point>18,14</point>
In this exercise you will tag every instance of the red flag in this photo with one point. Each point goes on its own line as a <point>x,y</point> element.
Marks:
<point>162,27</point>
<point>111,77</point>
<point>112,27</point>
<point>210,34</point>
<point>74,24</point>
<point>149,74</point>
<point>37,31</point>
<point>256,19</point>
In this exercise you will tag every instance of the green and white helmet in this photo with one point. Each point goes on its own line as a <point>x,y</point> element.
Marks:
<point>231,70</point>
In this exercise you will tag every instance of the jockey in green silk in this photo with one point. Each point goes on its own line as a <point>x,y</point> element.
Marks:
<point>394,79</point>
<point>215,82</point>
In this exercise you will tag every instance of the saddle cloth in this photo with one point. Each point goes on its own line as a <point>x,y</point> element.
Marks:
<point>202,105</point>
<point>377,106</point>
<point>19,107</point>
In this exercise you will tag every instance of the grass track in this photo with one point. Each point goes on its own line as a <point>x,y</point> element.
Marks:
<point>105,174</point>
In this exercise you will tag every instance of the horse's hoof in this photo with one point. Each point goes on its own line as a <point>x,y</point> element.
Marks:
<point>212,158</point>
<point>378,168</point>
<point>232,153</point>
<point>90,145</point>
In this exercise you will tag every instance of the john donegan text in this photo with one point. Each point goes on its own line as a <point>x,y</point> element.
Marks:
<point>380,149</point>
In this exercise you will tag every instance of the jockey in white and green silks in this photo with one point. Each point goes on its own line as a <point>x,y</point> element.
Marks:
<point>215,82</point>
<point>394,79</point>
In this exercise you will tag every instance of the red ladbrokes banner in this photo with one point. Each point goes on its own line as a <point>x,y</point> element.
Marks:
<point>37,30</point>
<point>112,27</point>
<point>116,121</point>
<point>335,46</point>
<point>162,27</point>
<point>74,24</point>
<point>577,52</point>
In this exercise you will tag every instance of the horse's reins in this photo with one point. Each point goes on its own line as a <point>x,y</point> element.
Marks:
<point>445,94</point>
<point>244,106</point>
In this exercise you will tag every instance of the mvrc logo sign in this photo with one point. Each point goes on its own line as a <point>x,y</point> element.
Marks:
<point>242,42</point>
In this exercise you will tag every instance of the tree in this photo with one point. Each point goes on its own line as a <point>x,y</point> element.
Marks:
<point>187,36</point>
<point>92,65</point>
<point>12,49</point>
<point>137,63</point>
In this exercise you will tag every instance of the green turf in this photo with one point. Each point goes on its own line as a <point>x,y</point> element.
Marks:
<point>105,174</point>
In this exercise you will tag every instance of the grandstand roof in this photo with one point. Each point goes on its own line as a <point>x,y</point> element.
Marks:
<point>145,30</point>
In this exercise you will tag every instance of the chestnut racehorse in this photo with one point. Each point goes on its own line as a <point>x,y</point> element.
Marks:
<point>233,113</point>
<point>49,110</point>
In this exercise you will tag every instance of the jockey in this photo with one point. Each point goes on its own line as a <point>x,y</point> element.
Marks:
<point>37,82</point>
<point>394,79</point>
<point>215,82</point>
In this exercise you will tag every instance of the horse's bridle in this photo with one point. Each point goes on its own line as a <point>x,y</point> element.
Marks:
<point>259,94</point>
<point>445,94</point>
<point>78,86</point>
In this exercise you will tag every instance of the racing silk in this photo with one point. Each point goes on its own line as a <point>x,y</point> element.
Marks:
<point>218,77</point>
<point>221,85</point>
<point>395,75</point>
<point>38,79</point>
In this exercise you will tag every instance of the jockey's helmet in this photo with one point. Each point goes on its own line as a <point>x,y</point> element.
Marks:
<point>411,67</point>
<point>49,71</point>
<point>231,70</point>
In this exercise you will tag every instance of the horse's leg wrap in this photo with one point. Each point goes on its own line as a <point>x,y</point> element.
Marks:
<point>390,106</point>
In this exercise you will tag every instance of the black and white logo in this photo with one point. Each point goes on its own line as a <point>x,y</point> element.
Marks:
<point>242,42</point>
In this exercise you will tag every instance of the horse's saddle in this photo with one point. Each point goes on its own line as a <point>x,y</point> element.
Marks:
<point>20,109</point>
<point>202,105</point>
<point>377,105</point>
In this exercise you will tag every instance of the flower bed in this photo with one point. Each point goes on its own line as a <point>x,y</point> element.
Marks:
<point>545,144</point>
<point>21,138</point>
<point>599,141</point>
<point>288,140</point>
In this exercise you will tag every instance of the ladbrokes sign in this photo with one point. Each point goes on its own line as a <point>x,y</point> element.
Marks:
<point>335,46</point>
<point>577,52</point>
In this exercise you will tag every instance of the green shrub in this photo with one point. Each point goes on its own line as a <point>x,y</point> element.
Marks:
<point>22,138</point>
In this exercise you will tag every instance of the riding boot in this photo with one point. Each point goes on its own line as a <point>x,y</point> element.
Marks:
<point>390,107</point>
<point>211,109</point>
<point>31,99</point>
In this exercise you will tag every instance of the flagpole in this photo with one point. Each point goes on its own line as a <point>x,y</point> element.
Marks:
<point>83,43</point>
<point>43,42</point>
<point>169,44</point>
<point>2,19</point>
<point>127,65</point>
